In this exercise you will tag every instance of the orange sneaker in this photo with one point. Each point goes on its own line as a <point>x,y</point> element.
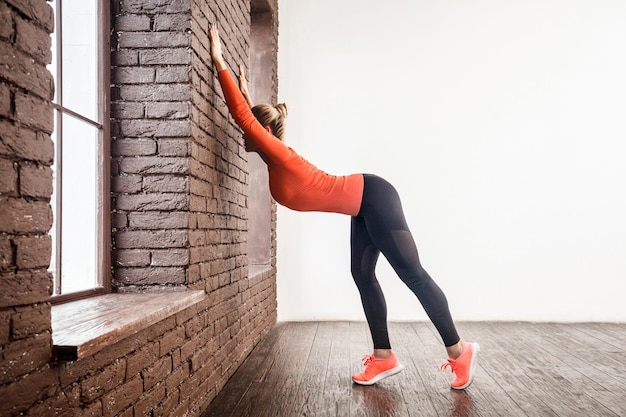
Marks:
<point>463,366</point>
<point>377,369</point>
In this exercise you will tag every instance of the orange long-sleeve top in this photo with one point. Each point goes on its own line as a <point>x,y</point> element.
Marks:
<point>294,182</point>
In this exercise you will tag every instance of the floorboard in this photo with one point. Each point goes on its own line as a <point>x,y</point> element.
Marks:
<point>524,369</point>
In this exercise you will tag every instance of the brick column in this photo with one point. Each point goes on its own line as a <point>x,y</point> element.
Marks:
<point>151,143</point>
<point>26,154</point>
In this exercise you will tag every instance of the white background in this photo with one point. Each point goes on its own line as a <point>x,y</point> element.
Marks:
<point>502,125</point>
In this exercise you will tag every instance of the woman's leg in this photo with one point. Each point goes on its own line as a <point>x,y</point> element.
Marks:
<point>364,256</point>
<point>387,229</point>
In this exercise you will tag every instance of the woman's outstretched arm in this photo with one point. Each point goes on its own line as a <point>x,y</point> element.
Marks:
<point>220,64</point>
<point>216,49</point>
<point>239,107</point>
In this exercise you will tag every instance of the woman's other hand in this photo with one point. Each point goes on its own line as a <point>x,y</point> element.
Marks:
<point>243,86</point>
<point>216,48</point>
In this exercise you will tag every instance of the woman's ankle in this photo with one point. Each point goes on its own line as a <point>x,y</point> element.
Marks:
<point>455,350</point>
<point>382,354</point>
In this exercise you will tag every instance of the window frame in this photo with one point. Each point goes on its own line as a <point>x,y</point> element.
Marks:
<point>103,216</point>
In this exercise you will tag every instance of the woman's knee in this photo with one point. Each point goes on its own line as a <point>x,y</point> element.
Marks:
<point>417,280</point>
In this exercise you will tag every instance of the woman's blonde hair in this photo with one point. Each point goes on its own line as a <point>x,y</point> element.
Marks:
<point>272,116</point>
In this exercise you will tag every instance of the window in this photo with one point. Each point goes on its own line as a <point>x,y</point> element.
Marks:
<point>261,90</point>
<point>80,260</point>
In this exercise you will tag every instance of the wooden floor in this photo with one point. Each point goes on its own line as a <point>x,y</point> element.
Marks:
<point>524,369</point>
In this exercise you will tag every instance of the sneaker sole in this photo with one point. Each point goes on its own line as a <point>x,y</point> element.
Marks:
<point>476,347</point>
<point>381,375</point>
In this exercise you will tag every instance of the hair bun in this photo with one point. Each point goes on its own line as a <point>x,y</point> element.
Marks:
<point>282,109</point>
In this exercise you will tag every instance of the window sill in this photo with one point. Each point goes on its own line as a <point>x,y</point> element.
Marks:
<point>84,327</point>
<point>259,269</point>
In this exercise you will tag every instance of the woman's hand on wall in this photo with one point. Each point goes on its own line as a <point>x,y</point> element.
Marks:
<point>243,86</point>
<point>216,48</point>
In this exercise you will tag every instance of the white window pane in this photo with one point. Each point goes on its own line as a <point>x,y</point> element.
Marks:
<point>80,75</point>
<point>80,199</point>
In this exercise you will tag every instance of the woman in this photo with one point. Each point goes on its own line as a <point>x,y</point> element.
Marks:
<point>378,225</point>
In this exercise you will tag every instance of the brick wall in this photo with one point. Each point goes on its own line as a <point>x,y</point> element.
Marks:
<point>151,137</point>
<point>179,214</point>
<point>26,154</point>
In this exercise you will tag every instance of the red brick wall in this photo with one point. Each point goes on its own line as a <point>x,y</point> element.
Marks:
<point>26,154</point>
<point>179,214</point>
<point>151,137</point>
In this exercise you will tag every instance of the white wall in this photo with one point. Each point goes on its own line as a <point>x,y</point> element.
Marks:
<point>503,126</point>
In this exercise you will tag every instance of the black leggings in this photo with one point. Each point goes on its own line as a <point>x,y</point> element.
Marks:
<point>379,227</point>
